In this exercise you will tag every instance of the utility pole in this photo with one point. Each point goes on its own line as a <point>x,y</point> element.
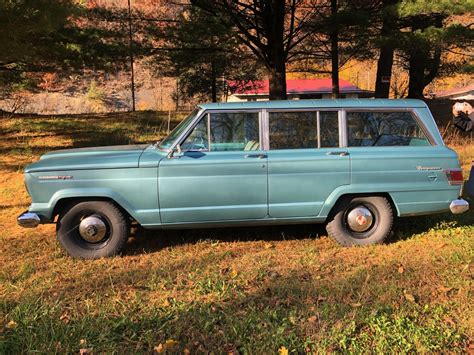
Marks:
<point>130,37</point>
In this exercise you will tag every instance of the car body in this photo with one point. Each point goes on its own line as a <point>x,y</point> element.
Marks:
<point>262,163</point>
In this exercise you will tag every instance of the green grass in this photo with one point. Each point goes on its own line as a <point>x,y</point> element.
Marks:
<point>240,290</point>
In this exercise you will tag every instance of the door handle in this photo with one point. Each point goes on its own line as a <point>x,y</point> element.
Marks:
<point>257,156</point>
<point>342,154</point>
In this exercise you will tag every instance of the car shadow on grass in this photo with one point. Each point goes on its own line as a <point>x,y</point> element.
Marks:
<point>149,241</point>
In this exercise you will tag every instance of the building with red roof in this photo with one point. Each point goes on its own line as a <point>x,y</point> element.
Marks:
<point>296,89</point>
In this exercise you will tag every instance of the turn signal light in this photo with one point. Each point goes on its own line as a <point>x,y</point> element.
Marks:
<point>454,176</point>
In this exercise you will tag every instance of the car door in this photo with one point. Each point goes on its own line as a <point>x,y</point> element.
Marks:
<point>220,175</point>
<point>306,162</point>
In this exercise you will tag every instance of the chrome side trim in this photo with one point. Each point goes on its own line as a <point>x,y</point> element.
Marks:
<point>28,220</point>
<point>459,206</point>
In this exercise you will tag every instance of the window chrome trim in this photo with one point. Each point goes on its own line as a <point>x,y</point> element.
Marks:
<point>318,123</point>
<point>265,130</point>
<point>264,133</point>
<point>318,128</point>
<point>342,123</point>
<point>200,116</point>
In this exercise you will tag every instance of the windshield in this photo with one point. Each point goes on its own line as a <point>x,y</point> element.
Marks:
<point>175,133</point>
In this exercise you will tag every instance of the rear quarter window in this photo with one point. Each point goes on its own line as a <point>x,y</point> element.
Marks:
<point>376,129</point>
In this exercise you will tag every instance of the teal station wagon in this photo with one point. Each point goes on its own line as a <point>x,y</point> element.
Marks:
<point>353,164</point>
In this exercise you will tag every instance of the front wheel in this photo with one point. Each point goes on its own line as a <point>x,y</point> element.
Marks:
<point>92,229</point>
<point>361,221</point>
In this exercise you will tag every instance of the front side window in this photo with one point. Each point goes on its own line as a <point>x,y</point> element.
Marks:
<point>168,141</point>
<point>227,131</point>
<point>366,129</point>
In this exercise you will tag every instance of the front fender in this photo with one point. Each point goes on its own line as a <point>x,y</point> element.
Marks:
<point>45,210</point>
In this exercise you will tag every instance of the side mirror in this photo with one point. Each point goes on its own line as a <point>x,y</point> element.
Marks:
<point>172,153</point>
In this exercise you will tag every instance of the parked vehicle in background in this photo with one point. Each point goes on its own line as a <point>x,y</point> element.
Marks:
<point>353,164</point>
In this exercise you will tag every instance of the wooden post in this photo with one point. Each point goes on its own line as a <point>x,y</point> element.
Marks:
<point>169,120</point>
<point>130,38</point>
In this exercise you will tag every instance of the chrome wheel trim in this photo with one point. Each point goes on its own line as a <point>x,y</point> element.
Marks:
<point>360,219</point>
<point>92,229</point>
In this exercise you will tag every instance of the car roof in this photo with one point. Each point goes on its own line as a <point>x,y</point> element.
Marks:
<point>317,103</point>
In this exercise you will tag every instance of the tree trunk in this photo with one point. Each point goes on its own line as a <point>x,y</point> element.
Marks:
<point>335,52</point>
<point>387,49</point>
<point>275,19</point>
<point>424,63</point>
<point>416,76</point>
<point>384,71</point>
<point>277,81</point>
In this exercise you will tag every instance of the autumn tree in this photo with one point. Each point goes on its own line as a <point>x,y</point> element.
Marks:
<point>337,33</point>
<point>53,36</point>
<point>271,29</point>
<point>204,54</point>
<point>421,33</point>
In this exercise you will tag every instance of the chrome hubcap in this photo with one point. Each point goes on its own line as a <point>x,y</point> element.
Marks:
<point>360,219</point>
<point>92,229</point>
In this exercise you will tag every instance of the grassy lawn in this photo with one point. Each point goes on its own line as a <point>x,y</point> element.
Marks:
<point>239,290</point>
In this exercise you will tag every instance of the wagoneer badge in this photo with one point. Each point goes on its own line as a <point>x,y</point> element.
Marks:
<point>55,177</point>
<point>428,168</point>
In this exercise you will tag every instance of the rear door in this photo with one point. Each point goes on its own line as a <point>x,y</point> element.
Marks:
<point>306,161</point>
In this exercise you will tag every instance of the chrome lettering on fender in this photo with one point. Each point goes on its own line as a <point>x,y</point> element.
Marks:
<point>428,168</point>
<point>55,177</point>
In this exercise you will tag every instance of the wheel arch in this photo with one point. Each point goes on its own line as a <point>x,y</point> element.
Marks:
<point>64,202</point>
<point>344,196</point>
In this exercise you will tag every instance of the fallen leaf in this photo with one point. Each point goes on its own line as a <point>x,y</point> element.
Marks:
<point>268,245</point>
<point>409,296</point>
<point>168,345</point>
<point>233,273</point>
<point>12,324</point>
<point>283,351</point>
<point>64,318</point>
<point>445,290</point>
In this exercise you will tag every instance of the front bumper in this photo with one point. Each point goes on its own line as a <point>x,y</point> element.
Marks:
<point>28,220</point>
<point>459,206</point>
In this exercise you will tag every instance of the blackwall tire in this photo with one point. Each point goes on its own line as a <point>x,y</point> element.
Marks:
<point>378,221</point>
<point>92,229</point>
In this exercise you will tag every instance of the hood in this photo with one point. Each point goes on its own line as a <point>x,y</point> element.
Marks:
<point>121,156</point>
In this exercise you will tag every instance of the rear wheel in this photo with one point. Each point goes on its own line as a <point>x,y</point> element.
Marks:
<point>92,229</point>
<point>361,221</point>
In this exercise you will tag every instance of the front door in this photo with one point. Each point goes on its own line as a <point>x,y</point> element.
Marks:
<point>221,174</point>
<point>305,162</point>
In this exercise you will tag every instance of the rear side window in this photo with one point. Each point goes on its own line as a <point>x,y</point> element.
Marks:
<point>301,129</point>
<point>366,129</point>
<point>293,130</point>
